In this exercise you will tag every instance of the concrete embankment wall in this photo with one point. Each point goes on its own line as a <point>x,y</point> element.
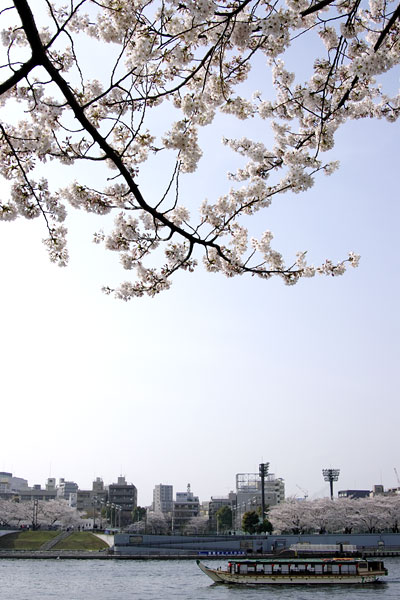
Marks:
<point>106,537</point>
<point>132,544</point>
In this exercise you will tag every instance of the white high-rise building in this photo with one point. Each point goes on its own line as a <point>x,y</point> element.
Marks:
<point>163,498</point>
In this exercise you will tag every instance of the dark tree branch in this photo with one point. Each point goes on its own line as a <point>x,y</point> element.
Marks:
<point>315,7</point>
<point>389,25</point>
<point>18,75</point>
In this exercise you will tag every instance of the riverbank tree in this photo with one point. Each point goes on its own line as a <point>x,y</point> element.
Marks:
<point>344,515</point>
<point>38,514</point>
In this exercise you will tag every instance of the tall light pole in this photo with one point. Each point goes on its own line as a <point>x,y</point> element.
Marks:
<point>331,475</point>
<point>263,472</point>
<point>101,513</point>
<point>35,514</point>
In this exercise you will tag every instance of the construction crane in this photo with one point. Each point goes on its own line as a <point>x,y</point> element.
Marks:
<point>305,492</point>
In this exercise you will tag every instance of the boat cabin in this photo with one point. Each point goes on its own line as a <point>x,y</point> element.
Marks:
<point>306,566</point>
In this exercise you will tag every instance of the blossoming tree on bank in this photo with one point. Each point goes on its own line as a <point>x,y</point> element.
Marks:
<point>152,523</point>
<point>194,55</point>
<point>42,514</point>
<point>345,515</point>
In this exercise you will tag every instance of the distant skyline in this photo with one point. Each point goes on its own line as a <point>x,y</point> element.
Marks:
<point>299,491</point>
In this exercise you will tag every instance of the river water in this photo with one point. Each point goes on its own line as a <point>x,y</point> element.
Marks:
<point>156,579</point>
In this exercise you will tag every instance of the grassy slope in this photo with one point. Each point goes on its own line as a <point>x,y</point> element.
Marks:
<point>83,540</point>
<point>33,540</point>
<point>26,540</point>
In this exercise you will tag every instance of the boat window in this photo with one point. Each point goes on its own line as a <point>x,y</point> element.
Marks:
<point>277,569</point>
<point>285,568</point>
<point>362,566</point>
<point>267,568</point>
<point>345,568</point>
<point>318,568</point>
<point>335,568</point>
<point>260,568</point>
<point>251,568</point>
<point>352,568</point>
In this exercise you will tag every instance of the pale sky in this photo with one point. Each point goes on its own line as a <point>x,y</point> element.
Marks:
<point>214,376</point>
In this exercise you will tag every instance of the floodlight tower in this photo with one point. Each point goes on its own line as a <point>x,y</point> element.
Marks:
<point>331,475</point>
<point>263,472</point>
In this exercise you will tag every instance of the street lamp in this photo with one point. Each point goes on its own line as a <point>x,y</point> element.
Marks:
<point>331,475</point>
<point>94,511</point>
<point>101,513</point>
<point>111,512</point>
<point>35,514</point>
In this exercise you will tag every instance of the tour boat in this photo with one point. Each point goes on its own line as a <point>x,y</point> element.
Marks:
<point>297,571</point>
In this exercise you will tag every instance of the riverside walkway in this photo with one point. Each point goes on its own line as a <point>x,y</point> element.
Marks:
<point>89,555</point>
<point>108,554</point>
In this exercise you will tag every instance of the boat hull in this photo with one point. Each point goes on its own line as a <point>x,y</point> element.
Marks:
<point>219,576</point>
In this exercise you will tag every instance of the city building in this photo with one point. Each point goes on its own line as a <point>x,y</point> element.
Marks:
<point>249,494</point>
<point>37,493</point>
<point>11,486</point>
<point>67,490</point>
<point>163,500</point>
<point>378,490</point>
<point>354,494</point>
<point>186,506</point>
<point>214,505</point>
<point>51,483</point>
<point>124,496</point>
<point>92,501</point>
<point>205,508</point>
<point>98,485</point>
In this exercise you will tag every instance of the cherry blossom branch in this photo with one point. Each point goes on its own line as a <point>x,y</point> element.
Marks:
<point>385,31</point>
<point>315,7</point>
<point>196,55</point>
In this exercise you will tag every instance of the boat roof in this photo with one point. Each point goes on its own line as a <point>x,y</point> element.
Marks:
<point>284,561</point>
